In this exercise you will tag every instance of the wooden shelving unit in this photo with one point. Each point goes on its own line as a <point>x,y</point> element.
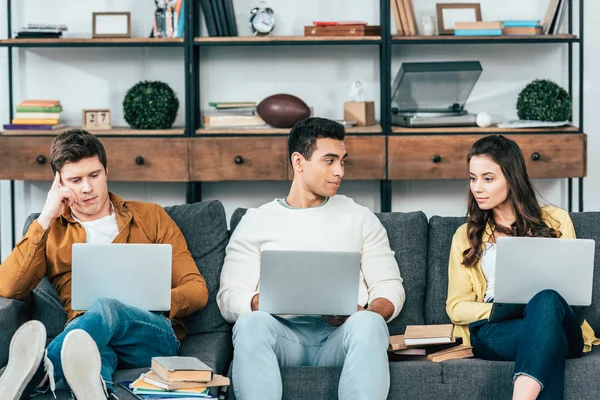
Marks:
<point>115,131</point>
<point>448,39</point>
<point>84,42</point>
<point>477,130</point>
<point>274,131</point>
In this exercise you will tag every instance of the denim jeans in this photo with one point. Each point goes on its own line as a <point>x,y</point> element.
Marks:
<point>263,342</point>
<point>125,335</point>
<point>548,333</point>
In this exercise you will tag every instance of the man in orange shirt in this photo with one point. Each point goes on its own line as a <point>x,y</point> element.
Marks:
<point>80,209</point>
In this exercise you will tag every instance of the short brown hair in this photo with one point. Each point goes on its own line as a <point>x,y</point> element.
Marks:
<point>74,145</point>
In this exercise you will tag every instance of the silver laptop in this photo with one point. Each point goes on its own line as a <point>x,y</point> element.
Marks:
<point>526,266</point>
<point>309,282</point>
<point>135,274</point>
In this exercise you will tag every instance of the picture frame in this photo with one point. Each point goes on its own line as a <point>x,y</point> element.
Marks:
<point>95,118</point>
<point>450,13</point>
<point>111,25</point>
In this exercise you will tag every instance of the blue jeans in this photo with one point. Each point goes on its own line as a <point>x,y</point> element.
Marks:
<point>548,333</point>
<point>263,342</point>
<point>124,334</point>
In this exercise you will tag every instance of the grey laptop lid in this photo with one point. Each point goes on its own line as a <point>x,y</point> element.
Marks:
<point>309,282</point>
<point>135,274</point>
<point>526,266</point>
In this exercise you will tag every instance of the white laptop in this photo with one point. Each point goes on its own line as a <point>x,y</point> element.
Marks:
<point>135,274</point>
<point>526,266</point>
<point>309,282</point>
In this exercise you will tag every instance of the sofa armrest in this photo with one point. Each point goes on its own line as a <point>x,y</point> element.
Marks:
<point>12,314</point>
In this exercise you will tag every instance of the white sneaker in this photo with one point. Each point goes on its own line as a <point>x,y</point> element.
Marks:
<point>81,365</point>
<point>25,355</point>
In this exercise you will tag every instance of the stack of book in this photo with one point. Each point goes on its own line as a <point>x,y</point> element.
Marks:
<point>177,378</point>
<point>427,343</point>
<point>35,115</point>
<point>554,16</point>
<point>219,16</point>
<point>233,115</point>
<point>522,27</point>
<point>41,31</point>
<point>479,28</point>
<point>404,17</point>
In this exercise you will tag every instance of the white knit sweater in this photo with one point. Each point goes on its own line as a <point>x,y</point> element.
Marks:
<point>339,225</point>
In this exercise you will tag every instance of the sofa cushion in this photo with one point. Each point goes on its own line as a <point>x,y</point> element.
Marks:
<point>479,379</point>
<point>47,308</point>
<point>587,226</point>
<point>407,233</point>
<point>413,380</point>
<point>215,349</point>
<point>204,226</point>
<point>441,230</point>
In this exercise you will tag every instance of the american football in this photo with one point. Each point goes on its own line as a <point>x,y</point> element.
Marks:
<point>282,110</point>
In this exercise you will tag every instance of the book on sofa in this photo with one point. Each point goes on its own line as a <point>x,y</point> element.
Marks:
<point>451,353</point>
<point>151,386</point>
<point>181,369</point>
<point>419,335</point>
<point>398,347</point>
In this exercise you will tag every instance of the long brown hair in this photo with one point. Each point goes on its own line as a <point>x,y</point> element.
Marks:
<point>529,221</point>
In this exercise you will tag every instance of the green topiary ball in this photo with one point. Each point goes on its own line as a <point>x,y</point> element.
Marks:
<point>544,100</point>
<point>150,105</point>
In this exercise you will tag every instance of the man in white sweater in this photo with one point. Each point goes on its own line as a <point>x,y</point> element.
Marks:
<point>312,217</point>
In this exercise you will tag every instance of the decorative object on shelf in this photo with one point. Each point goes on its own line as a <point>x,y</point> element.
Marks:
<point>544,100</point>
<point>356,108</point>
<point>450,13</point>
<point>95,118</point>
<point>262,19</point>
<point>111,25</point>
<point>150,105</point>
<point>169,19</point>
<point>283,110</point>
<point>427,25</point>
<point>341,28</point>
<point>483,120</point>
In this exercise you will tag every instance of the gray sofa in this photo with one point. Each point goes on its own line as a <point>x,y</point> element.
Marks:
<point>422,248</point>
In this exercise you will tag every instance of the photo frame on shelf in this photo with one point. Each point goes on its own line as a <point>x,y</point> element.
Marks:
<point>450,13</point>
<point>111,25</point>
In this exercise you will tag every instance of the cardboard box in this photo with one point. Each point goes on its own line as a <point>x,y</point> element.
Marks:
<point>363,112</point>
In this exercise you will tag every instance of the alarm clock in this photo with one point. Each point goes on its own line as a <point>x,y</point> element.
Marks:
<point>262,20</point>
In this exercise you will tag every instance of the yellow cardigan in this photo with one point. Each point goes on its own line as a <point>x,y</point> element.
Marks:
<point>466,286</point>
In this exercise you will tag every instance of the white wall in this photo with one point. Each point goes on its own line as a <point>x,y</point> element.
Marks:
<point>86,78</point>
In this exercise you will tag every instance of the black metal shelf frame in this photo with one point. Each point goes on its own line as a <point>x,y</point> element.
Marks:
<point>192,76</point>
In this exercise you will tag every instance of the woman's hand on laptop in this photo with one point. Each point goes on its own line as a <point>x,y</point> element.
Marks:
<point>337,320</point>
<point>58,197</point>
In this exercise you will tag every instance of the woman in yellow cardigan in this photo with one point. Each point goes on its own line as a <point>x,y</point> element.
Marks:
<point>502,202</point>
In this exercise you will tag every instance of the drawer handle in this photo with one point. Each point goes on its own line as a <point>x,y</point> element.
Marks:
<point>41,159</point>
<point>436,158</point>
<point>535,156</point>
<point>139,160</point>
<point>239,160</point>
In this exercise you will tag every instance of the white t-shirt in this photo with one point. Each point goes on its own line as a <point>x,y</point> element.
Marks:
<point>488,264</point>
<point>101,231</point>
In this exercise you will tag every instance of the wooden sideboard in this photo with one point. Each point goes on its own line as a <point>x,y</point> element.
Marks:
<point>263,158</point>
